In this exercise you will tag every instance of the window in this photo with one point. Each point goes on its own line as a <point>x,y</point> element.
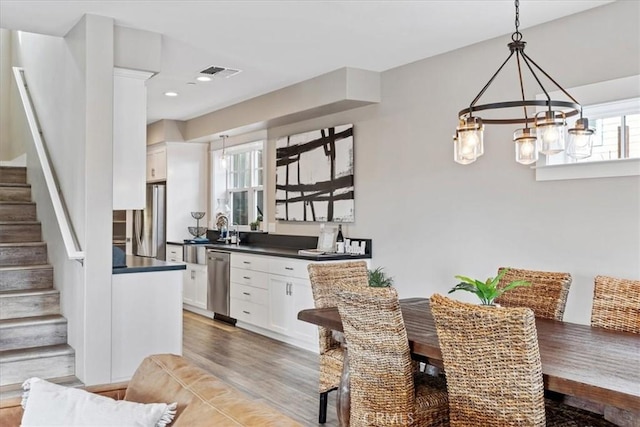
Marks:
<point>613,109</point>
<point>617,126</point>
<point>244,179</point>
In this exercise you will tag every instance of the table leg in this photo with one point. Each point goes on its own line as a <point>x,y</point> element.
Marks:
<point>343,399</point>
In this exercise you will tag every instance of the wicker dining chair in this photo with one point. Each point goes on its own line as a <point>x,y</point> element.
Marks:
<point>326,280</point>
<point>385,389</point>
<point>547,295</point>
<point>493,368</point>
<point>616,304</point>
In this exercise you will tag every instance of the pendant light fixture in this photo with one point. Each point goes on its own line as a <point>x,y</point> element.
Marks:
<point>223,156</point>
<point>547,135</point>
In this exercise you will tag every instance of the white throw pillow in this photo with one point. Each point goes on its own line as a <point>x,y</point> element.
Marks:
<point>48,404</point>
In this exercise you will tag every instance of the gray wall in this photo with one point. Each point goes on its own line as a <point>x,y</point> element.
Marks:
<point>431,219</point>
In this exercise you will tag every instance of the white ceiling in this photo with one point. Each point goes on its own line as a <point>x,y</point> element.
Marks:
<point>278,43</point>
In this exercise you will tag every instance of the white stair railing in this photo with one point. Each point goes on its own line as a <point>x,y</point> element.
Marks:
<point>66,229</point>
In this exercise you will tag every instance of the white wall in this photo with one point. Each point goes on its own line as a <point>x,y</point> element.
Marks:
<point>71,83</point>
<point>431,218</point>
<point>10,148</point>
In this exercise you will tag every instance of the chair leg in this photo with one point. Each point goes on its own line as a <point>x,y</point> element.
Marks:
<point>322,418</point>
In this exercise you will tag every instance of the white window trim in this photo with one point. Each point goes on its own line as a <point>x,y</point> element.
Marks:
<point>597,93</point>
<point>601,169</point>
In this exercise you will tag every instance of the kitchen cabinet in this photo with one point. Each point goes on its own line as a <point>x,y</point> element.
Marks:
<point>195,286</point>
<point>266,295</point>
<point>129,138</point>
<point>174,253</point>
<point>290,292</point>
<point>186,184</point>
<point>249,289</point>
<point>156,164</point>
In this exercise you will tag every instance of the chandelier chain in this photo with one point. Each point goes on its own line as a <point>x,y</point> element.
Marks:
<point>517,36</point>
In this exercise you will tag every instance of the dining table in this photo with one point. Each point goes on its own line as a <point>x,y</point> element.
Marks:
<point>599,365</point>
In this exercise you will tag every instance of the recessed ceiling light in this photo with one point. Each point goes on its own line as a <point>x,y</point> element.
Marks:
<point>171,93</point>
<point>203,78</point>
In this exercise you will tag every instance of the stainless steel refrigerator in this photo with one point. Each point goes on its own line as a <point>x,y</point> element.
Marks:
<point>149,226</point>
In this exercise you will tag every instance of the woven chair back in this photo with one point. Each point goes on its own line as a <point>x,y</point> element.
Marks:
<point>616,304</point>
<point>327,280</point>
<point>547,295</point>
<point>380,368</point>
<point>492,364</point>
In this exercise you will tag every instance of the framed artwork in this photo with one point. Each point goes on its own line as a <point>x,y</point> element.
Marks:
<point>314,176</point>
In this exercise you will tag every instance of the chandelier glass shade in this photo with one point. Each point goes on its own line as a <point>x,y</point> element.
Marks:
<point>548,134</point>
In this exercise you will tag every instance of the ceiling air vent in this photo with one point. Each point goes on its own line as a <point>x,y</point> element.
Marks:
<point>220,71</point>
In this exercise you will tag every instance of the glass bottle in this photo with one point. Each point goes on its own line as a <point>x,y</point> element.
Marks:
<point>340,241</point>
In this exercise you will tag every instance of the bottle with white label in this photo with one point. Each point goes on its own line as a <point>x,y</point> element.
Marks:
<point>340,241</point>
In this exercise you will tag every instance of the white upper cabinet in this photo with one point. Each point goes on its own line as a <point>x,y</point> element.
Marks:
<point>129,138</point>
<point>157,164</point>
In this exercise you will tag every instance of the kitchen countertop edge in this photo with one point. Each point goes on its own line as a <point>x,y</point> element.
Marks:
<point>138,264</point>
<point>274,251</point>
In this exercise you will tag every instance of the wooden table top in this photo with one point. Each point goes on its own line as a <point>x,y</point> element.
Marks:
<point>578,360</point>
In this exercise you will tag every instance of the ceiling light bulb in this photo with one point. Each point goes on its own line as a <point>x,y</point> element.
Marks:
<point>551,129</point>
<point>526,147</point>
<point>203,78</point>
<point>171,94</point>
<point>580,143</point>
<point>468,140</point>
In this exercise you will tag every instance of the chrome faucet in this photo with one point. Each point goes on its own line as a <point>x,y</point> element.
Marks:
<point>236,233</point>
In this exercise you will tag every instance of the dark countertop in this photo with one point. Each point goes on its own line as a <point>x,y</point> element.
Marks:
<point>282,252</point>
<point>138,264</point>
<point>273,251</point>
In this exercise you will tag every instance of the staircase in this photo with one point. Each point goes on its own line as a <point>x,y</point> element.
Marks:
<point>33,334</point>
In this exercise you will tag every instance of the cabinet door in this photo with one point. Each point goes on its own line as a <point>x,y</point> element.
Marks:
<point>189,292</point>
<point>279,304</point>
<point>301,298</point>
<point>157,165</point>
<point>129,138</point>
<point>201,289</point>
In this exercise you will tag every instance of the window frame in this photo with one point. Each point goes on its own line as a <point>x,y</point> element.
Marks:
<point>596,96</point>
<point>256,168</point>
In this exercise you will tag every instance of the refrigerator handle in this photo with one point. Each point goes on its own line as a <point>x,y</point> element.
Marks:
<point>156,224</point>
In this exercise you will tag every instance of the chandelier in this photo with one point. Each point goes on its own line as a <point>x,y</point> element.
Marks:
<point>548,130</point>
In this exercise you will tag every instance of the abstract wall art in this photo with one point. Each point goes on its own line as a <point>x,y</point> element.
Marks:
<point>314,176</point>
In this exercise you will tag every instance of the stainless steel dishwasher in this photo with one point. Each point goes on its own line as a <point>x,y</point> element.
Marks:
<point>218,283</point>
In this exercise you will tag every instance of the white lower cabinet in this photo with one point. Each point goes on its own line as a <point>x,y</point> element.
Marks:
<point>266,295</point>
<point>195,286</point>
<point>287,296</point>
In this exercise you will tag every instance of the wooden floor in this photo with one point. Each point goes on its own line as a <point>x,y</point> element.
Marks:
<point>284,376</point>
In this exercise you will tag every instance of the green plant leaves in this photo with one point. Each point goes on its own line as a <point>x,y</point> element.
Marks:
<point>379,279</point>
<point>488,290</point>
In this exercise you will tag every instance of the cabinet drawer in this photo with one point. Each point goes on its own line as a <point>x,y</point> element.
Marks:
<point>250,294</point>
<point>289,267</point>
<point>243,276</point>
<point>249,312</point>
<point>250,262</point>
<point>174,253</point>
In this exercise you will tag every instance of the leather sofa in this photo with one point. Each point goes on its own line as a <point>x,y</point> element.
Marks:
<point>203,399</point>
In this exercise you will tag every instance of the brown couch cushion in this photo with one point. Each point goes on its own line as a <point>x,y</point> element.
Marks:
<point>203,400</point>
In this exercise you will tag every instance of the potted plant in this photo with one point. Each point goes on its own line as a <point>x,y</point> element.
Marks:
<point>488,290</point>
<point>254,225</point>
<point>379,279</point>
